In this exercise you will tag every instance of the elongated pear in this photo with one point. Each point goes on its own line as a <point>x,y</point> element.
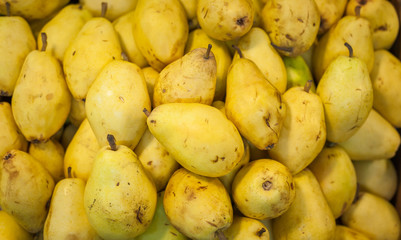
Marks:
<point>115,102</point>
<point>198,136</point>
<point>298,72</point>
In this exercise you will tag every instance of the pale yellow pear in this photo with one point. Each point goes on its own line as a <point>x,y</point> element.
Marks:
<point>32,9</point>
<point>213,148</point>
<point>376,139</point>
<point>303,134</point>
<point>41,101</point>
<point>198,38</point>
<point>197,206</point>
<point>346,233</point>
<point>16,42</point>
<point>11,230</point>
<point>77,112</point>
<point>337,178</point>
<point>67,218</point>
<point>292,25</point>
<point>373,216</point>
<point>330,12</point>
<point>120,197</point>
<point>160,31</point>
<point>253,104</point>
<point>246,228</point>
<point>191,79</point>
<point>256,46</point>
<point>115,8</point>
<point>81,152</point>
<point>124,29</point>
<point>309,212</point>
<point>151,76</point>
<point>95,45</point>
<point>115,102</point>
<point>155,159</point>
<point>10,136</point>
<point>25,189</point>
<point>63,28</point>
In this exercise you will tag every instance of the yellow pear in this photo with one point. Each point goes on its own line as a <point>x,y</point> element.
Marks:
<point>191,78</point>
<point>63,28</point>
<point>337,178</point>
<point>292,25</point>
<point>115,102</point>
<point>68,134</point>
<point>77,112</point>
<point>263,188</point>
<point>246,228</point>
<point>376,139</point>
<point>95,45</point>
<point>253,104</point>
<point>190,7</point>
<point>151,76</point>
<point>41,101</point>
<point>303,134</point>
<point>220,105</point>
<point>25,189</point>
<point>330,12</point>
<point>10,229</point>
<point>256,46</point>
<point>10,136</point>
<point>198,38</point>
<point>120,197</point>
<point>116,8</point>
<point>16,41</point>
<point>160,31</point>
<point>197,206</point>
<point>67,218</point>
<point>257,16</point>
<point>225,20</point>
<point>309,216</point>
<point>213,148</point>
<point>32,9</point>
<point>346,233</point>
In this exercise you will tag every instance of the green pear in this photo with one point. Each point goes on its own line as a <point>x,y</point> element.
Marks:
<point>16,42</point>
<point>212,148</point>
<point>191,78</point>
<point>303,134</point>
<point>120,197</point>
<point>116,8</point>
<point>253,104</point>
<point>309,216</point>
<point>330,12</point>
<point>347,95</point>
<point>25,189</point>
<point>115,101</point>
<point>32,9</point>
<point>160,31</point>
<point>298,72</point>
<point>41,101</point>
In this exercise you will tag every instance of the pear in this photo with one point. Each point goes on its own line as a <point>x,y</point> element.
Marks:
<point>292,25</point>
<point>67,218</point>
<point>263,188</point>
<point>190,7</point>
<point>330,12</point>
<point>41,101</point>
<point>349,29</point>
<point>376,139</point>
<point>96,43</point>
<point>225,20</point>
<point>16,42</point>
<point>309,216</point>
<point>32,9</point>
<point>246,228</point>
<point>373,216</point>
<point>347,95</point>
<point>161,228</point>
<point>63,28</point>
<point>151,76</point>
<point>346,233</point>
<point>337,178</point>
<point>11,230</point>
<point>116,8</point>
<point>77,112</point>
<point>256,46</point>
<point>68,134</point>
<point>257,15</point>
<point>120,197</point>
<point>81,152</point>
<point>298,72</point>
<point>198,38</point>
<point>25,189</point>
<point>220,105</point>
<point>191,78</point>
<point>115,101</point>
<point>303,134</point>
<point>197,206</point>
<point>253,104</point>
<point>198,136</point>
<point>383,19</point>
<point>10,136</point>
<point>160,31</point>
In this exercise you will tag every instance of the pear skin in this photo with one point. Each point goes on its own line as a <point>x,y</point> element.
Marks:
<point>330,12</point>
<point>11,230</point>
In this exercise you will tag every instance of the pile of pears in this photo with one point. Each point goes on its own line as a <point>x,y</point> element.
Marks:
<point>199,119</point>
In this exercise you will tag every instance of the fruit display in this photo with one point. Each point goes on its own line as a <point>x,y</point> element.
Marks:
<point>200,119</point>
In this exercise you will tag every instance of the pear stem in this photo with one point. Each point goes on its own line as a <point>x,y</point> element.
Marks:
<point>124,56</point>
<point>238,50</point>
<point>112,142</point>
<point>285,49</point>
<point>308,85</point>
<point>104,9</point>
<point>261,231</point>
<point>209,47</point>
<point>8,6</point>
<point>147,113</point>
<point>220,235</point>
<point>358,10</point>
<point>350,50</point>
<point>80,7</point>
<point>43,35</point>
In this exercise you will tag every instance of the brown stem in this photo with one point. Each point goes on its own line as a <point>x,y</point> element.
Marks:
<point>358,10</point>
<point>261,231</point>
<point>147,113</point>
<point>350,50</point>
<point>285,49</point>
<point>308,85</point>
<point>238,50</point>
<point>44,41</point>
<point>220,235</point>
<point>104,9</point>
<point>112,142</point>
<point>8,11</point>
<point>209,47</point>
